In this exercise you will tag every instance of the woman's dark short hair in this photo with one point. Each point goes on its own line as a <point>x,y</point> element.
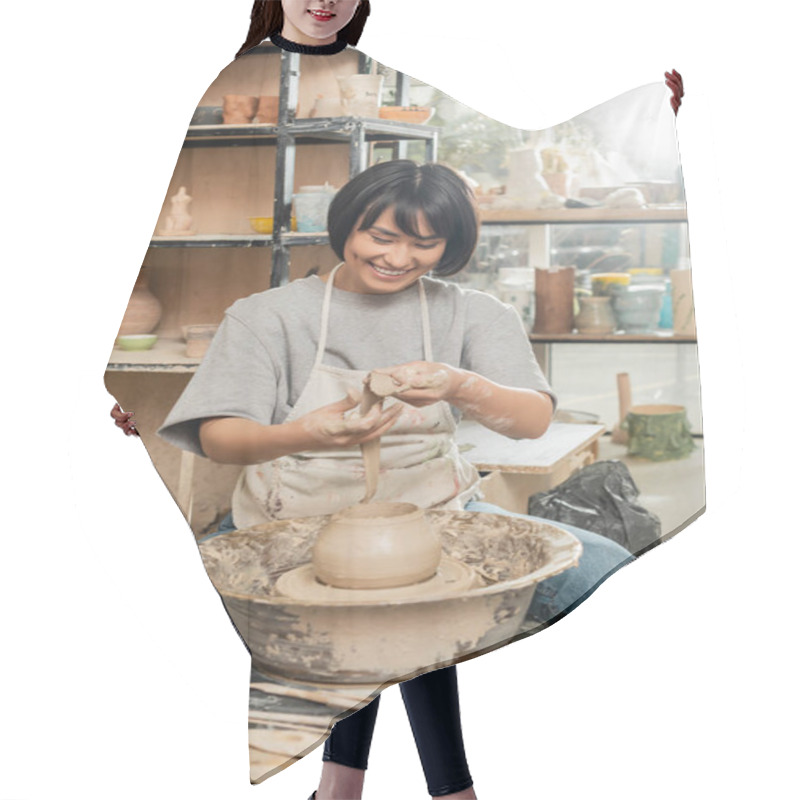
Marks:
<point>436,190</point>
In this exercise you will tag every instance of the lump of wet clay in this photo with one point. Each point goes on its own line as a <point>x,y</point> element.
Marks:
<point>377,387</point>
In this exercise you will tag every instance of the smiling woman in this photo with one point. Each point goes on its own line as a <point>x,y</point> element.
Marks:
<point>316,21</point>
<point>301,23</point>
<point>278,391</point>
<point>400,222</point>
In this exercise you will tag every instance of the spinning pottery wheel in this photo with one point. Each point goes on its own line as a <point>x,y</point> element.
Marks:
<point>297,627</point>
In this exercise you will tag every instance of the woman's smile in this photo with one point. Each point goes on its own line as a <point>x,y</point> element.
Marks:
<point>321,15</point>
<point>388,273</point>
<point>383,258</point>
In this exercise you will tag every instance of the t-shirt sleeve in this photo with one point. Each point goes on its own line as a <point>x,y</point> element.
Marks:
<point>237,378</point>
<point>497,347</point>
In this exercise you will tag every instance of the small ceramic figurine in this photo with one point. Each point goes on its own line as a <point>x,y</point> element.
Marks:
<point>179,221</point>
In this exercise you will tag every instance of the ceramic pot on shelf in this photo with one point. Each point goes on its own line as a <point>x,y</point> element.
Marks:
<point>144,310</point>
<point>555,301</point>
<point>238,109</point>
<point>595,316</point>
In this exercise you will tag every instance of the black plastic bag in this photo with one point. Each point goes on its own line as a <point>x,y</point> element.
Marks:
<point>601,498</point>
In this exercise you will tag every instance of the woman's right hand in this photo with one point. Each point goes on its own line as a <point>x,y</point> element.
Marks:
<point>124,420</point>
<point>332,426</point>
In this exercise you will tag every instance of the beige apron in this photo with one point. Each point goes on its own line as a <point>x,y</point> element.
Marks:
<point>420,462</point>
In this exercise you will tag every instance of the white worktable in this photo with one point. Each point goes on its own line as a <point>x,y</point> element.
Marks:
<point>522,467</point>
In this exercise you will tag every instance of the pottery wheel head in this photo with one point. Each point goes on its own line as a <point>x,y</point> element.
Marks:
<point>452,579</point>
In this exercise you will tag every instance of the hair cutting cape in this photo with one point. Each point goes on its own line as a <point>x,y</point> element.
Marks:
<point>583,234</point>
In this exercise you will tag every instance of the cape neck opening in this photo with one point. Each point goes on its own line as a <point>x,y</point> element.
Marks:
<point>309,49</point>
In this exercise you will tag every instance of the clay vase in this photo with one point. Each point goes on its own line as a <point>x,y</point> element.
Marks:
<point>144,310</point>
<point>267,109</point>
<point>595,315</point>
<point>555,301</point>
<point>238,109</point>
<point>376,546</point>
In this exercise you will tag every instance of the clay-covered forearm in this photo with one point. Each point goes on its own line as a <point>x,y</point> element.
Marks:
<point>234,440</point>
<point>517,413</point>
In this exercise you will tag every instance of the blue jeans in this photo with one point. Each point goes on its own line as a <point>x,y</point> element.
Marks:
<point>558,595</point>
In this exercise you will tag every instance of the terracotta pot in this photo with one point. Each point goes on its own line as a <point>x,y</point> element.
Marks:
<point>555,298</point>
<point>267,110</point>
<point>144,310</point>
<point>376,546</point>
<point>417,115</point>
<point>238,109</point>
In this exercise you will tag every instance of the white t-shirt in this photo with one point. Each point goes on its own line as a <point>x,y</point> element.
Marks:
<point>262,355</point>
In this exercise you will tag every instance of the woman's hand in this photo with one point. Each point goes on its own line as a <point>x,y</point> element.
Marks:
<point>675,83</point>
<point>423,383</point>
<point>234,440</point>
<point>124,420</point>
<point>332,426</point>
<point>517,413</point>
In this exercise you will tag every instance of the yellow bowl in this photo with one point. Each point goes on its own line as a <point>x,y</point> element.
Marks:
<point>265,224</point>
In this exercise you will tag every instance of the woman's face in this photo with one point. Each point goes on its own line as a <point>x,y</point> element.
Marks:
<point>383,259</point>
<point>315,21</point>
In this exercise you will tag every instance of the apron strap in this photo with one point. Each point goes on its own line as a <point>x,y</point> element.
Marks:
<point>326,313</point>
<point>426,323</point>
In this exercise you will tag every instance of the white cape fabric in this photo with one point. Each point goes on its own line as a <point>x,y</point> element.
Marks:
<point>595,205</point>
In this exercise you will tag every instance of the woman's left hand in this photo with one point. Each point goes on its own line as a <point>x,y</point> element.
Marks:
<point>674,81</point>
<point>423,383</point>
<point>124,420</point>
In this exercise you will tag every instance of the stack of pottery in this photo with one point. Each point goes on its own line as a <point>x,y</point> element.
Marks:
<point>238,109</point>
<point>241,109</point>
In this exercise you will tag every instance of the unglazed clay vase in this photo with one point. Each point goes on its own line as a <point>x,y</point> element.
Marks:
<point>238,109</point>
<point>595,315</point>
<point>267,109</point>
<point>555,301</point>
<point>376,546</point>
<point>144,310</point>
